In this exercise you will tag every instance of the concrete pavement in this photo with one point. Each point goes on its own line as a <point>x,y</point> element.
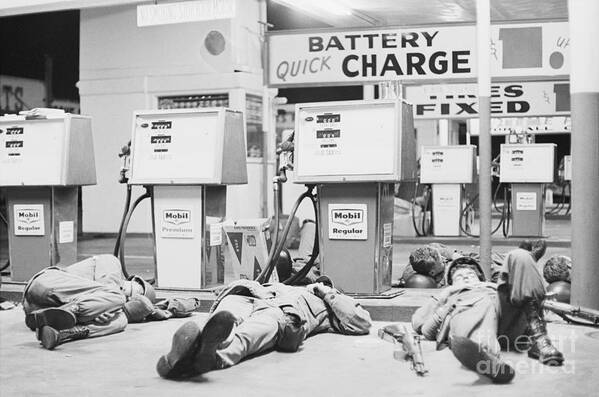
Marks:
<point>327,365</point>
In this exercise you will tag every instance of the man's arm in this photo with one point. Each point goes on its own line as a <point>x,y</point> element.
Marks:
<point>427,319</point>
<point>349,317</point>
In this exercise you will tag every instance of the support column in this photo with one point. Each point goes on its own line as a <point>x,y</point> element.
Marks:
<point>483,38</point>
<point>443,128</point>
<point>584,88</point>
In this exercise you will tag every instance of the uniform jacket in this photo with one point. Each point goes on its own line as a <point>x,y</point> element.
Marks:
<point>334,312</point>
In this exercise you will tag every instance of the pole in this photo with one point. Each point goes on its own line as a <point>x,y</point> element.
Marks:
<point>483,39</point>
<point>584,89</point>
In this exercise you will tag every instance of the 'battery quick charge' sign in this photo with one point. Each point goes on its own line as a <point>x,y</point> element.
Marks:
<point>176,223</point>
<point>415,54</point>
<point>348,222</point>
<point>29,219</point>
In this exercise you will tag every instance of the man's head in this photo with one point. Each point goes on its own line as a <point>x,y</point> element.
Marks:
<point>536,247</point>
<point>557,268</point>
<point>139,286</point>
<point>464,271</point>
<point>427,261</point>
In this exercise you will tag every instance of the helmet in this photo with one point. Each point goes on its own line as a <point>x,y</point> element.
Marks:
<point>464,261</point>
<point>149,291</point>
<point>420,281</point>
<point>284,265</point>
<point>560,290</point>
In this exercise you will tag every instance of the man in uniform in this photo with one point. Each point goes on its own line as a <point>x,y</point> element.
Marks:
<point>248,318</point>
<point>88,299</point>
<point>432,260</point>
<point>476,318</point>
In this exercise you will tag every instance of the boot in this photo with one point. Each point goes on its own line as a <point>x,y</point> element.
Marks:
<point>541,348</point>
<point>50,337</point>
<point>179,362</point>
<point>54,317</point>
<point>217,330</point>
<point>476,358</point>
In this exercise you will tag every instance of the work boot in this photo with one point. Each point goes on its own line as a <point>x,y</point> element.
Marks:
<point>51,337</point>
<point>476,358</point>
<point>54,317</point>
<point>217,330</point>
<point>541,346</point>
<point>179,362</point>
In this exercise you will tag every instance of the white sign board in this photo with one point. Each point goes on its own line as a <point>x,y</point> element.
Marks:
<point>415,54</point>
<point>29,219</point>
<point>348,222</point>
<point>541,98</point>
<point>186,11</point>
<point>176,223</point>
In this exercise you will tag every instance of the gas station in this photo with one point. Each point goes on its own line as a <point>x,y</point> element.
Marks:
<point>470,115</point>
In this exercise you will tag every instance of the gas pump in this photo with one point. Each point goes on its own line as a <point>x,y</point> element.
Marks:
<point>353,152</point>
<point>527,167</point>
<point>45,156</point>
<point>447,168</point>
<point>186,158</point>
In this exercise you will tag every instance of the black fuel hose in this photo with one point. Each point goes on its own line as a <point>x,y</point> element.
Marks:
<point>123,231</point>
<point>117,243</point>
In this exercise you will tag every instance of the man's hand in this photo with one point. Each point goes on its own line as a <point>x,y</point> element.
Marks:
<point>446,293</point>
<point>105,318</point>
<point>319,289</point>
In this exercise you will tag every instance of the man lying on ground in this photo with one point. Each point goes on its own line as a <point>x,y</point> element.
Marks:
<point>248,318</point>
<point>431,260</point>
<point>476,318</point>
<point>91,298</point>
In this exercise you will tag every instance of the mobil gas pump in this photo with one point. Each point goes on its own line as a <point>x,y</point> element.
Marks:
<point>45,155</point>
<point>527,167</point>
<point>186,158</point>
<point>447,168</point>
<point>354,152</point>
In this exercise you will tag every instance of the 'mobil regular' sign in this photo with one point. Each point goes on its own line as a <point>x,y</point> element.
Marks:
<point>419,54</point>
<point>348,222</point>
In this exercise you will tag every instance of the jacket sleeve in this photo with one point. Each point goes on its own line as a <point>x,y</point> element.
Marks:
<point>349,317</point>
<point>427,319</point>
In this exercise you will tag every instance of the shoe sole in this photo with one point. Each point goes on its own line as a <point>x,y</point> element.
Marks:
<point>48,337</point>
<point>179,361</point>
<point>56,318</point>
<point>470,354</point>
<point>549,361</point>
<point>216,331</point>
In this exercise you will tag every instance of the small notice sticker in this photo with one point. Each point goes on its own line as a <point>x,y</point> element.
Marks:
<point>66,232</point>
<point>216,234</point>
<point>387,235</point>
